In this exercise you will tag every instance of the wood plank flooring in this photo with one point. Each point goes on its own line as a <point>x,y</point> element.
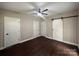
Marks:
<point>41,46</point>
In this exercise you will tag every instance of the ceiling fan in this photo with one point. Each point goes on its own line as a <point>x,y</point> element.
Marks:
<point>42,11</point>
<point>38,12</point>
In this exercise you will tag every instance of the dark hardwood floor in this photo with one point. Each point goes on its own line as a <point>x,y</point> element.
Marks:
<point>41,46</point>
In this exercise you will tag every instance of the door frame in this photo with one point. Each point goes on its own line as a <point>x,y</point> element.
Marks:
<point>4,46</point>
<point>43,29</point>
<point>37,33</point>
<point>62,29</point>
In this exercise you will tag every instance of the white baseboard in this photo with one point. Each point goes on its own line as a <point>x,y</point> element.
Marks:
<point>38,36</point>
<point>28,39</point>
<point>63,41</point>
<point>20,42</point>
<point>2,48</point>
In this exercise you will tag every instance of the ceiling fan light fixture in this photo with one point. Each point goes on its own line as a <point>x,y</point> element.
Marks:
<point>39,14</point>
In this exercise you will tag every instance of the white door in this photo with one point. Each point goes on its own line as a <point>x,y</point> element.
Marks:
<point>36,28</point>
<point>57,29</point>
<point>43,28</point>
<point>11,31</point>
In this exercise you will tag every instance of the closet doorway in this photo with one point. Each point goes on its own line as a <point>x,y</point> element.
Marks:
<point>57,29</point>
<point>11,31</point>
<point>36,29</point>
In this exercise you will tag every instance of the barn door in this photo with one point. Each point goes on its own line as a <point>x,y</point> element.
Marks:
<point>57,29</point>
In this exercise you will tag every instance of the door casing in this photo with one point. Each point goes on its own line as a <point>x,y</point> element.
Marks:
<point>10,32</point>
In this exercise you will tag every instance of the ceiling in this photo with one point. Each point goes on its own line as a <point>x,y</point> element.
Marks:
<point>53,7</point>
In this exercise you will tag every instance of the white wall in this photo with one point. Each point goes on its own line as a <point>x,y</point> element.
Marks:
<point>26,24</point>
<point>5,13</point>
<point>70,30</point>
<point>69,27</point>
<point>49,28</point>
<point>26,27</point>
<point>43,28</point>
<point>78,28</point>
<point>27,30</point>
<point>1,30</point>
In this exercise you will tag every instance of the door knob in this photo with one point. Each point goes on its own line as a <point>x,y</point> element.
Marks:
<point>7,34</point>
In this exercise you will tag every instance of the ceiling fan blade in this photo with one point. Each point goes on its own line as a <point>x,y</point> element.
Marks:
<point>44,14</point>
<point>45,10</point>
